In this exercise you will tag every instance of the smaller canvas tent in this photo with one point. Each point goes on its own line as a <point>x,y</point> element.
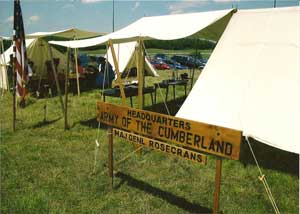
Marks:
<point>3,68</point>
<point>38,53</point>
<point>126,54</point>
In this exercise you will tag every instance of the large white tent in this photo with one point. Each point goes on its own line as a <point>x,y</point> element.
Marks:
<point>252,79</point>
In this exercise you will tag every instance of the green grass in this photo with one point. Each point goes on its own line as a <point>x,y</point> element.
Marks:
<point>45,169</point>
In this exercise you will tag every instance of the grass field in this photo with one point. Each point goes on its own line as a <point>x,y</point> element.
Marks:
<point>45,169</point>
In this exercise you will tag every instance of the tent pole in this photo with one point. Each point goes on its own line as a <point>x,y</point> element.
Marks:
<point>77,74</point>
<point>113,53</point>
<point>140,73</point>
<point>66,88</point>
<point>56,79</point>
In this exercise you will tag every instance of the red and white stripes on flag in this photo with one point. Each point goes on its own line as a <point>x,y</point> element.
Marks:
<point>21,64</point>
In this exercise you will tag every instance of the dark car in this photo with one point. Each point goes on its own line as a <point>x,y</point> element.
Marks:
<point>175,65</point>
<point>189,61</point>
<point>160,57</point>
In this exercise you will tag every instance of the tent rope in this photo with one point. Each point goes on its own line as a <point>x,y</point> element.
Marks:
<point>262,178</point>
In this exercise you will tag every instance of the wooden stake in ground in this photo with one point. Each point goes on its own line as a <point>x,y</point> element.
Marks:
<point>56,79</point>
<point>66,88</point>
<point>217,185</point>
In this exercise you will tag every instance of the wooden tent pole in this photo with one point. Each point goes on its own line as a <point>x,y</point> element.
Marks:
<point>66,88</point>
<point>77,74</point>
<point>113,53</point>
<point>140,73</point>
<point>56,79</point>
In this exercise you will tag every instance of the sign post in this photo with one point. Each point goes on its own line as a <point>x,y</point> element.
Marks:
<point>158,131</point>
<point>217,185</point>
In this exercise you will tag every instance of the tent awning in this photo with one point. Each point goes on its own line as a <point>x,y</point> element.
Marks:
<point>70,33</point>
<point>168,27</point>
<point>252,79</point>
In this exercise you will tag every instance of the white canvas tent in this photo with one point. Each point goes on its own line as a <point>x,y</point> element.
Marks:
<point>252,79</point>
<point>3,65</point>
<point>209,25</point>
<point>126,55</point>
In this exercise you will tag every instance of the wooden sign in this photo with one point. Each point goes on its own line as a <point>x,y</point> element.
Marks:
<point>219,141</point>
<point>161,146</point>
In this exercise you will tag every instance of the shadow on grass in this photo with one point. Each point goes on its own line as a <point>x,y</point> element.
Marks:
<point>269,157</point>
<point>167,196</point>
<point>93,123</point>
<point>45,123</point>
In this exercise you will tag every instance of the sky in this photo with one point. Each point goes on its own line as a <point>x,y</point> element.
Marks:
<point>97,15</point>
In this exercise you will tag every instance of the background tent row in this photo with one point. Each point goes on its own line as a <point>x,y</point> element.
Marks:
<point>37,51</point>
<point>251,83</point>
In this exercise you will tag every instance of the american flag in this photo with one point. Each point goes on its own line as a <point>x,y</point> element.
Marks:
<point>21,64</point>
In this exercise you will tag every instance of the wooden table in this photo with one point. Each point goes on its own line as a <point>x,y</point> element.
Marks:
<point>166,83</point>
<point>130,91</point>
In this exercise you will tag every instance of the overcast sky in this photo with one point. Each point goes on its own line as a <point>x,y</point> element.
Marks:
<point>96,15</point>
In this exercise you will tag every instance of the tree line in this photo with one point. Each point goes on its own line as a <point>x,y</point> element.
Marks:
<point>180,44</point>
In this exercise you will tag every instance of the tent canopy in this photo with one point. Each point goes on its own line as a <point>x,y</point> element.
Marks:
<point>252,79</point>
<point>168,27</point>
<point>71,33</point>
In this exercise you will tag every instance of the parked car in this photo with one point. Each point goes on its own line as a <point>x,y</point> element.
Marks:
<point>160,57</point>
<point>189,61</point>
<point>160,65</point>
<point>176,65</point>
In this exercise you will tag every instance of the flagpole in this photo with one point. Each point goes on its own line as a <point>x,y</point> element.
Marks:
<point>14,80</point>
